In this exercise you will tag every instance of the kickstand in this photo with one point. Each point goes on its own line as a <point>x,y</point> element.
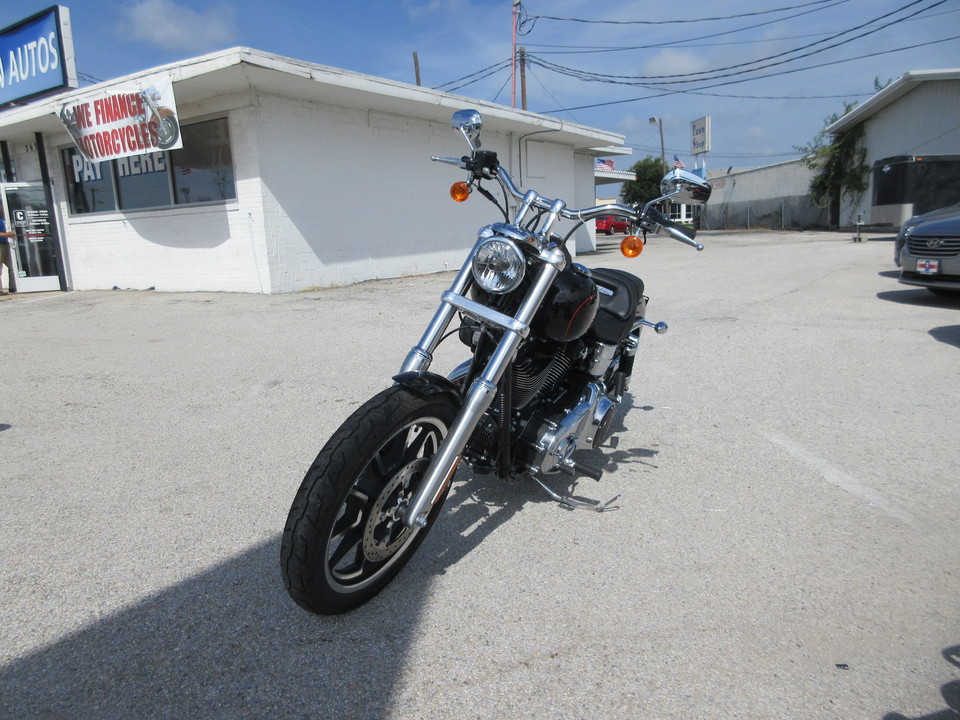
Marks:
<point>574,503</point>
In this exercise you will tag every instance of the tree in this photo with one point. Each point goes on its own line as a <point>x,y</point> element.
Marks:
<point>649,172</point>
<point>839,165</point>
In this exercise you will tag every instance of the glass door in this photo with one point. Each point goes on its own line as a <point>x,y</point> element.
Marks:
<point>34,247</point>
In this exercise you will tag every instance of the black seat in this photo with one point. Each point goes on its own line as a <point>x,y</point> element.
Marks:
<point>620,295</point>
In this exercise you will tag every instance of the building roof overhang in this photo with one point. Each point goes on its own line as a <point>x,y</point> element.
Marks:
<point>894,91</point>
<point>241,69</point>
<point>608,177</point>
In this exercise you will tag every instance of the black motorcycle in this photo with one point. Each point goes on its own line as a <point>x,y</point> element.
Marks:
<point>552,346</point>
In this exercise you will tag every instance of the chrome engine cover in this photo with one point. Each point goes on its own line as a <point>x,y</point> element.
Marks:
<point>588,423</point>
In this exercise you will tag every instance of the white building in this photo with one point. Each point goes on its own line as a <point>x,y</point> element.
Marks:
<point>292,175</point>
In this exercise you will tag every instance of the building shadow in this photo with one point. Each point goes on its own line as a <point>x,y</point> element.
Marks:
<point>230,643</point>
<point>950,693</point>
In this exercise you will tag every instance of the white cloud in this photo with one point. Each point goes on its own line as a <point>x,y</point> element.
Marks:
<point>175,27</point>
<point>675,62</point>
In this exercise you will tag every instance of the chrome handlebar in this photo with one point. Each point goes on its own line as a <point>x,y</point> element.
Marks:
<point>557,208</point>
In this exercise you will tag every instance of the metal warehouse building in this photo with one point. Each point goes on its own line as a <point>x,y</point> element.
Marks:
<point>912,139</point>
<point>291,175</point>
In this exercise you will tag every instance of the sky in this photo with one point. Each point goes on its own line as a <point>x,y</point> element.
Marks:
<point>767,72</point>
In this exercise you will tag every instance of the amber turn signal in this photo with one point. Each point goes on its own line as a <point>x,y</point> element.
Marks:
<point>460,191</point>
<point>631,246</point>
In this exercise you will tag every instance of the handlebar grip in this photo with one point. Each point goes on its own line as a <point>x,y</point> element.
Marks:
<point>675,230</point>
<point>677,234</point>
<point>449,160</point>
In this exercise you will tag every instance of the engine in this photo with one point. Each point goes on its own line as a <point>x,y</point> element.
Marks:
<point>561,403</point>
<point>575,421</point>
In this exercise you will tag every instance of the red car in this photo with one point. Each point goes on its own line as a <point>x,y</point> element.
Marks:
<point>611,224</point>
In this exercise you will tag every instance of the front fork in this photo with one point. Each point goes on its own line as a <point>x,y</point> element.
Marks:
<point>484,387</point>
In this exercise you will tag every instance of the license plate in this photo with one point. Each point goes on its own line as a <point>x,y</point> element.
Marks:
<point>925,266</point>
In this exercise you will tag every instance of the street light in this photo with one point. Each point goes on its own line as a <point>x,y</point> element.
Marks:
<point>663,155</point>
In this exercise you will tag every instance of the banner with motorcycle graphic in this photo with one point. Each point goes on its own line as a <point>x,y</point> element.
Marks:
<point>132,119</point>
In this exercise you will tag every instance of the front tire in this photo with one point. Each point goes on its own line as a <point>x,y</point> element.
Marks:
<point>345,539</point>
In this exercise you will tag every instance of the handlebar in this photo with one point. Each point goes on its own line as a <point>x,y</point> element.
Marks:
<point>485,165</point>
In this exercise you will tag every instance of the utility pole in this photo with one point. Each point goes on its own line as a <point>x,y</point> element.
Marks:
<point>416,67</point>
<point>513,72</point>
<point>523,78</point>
<point>663,155</point>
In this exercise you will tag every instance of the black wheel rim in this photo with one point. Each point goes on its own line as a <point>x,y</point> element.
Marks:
<point>368,536</point>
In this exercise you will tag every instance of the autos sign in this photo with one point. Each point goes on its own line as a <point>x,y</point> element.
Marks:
<point>36,56</point>
<point>130,119</point>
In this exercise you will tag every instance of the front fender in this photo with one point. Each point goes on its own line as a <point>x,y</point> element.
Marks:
<point>424,384</point>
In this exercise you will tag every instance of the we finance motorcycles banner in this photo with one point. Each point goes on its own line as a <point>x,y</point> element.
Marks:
<point>131,119</point>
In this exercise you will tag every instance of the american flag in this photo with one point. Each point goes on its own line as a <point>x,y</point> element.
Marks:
<point>605,164</point>
<point>677,162</point>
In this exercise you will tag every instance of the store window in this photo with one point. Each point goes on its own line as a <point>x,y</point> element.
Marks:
<point>200,172</point>
<point>143,181</point>
<point>203,168</point>
<point>89,185</point>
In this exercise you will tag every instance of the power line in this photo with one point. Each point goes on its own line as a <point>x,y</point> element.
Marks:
<point>718,73</point>
<point>477,76</point>
<point>534,18</point>
<point>675,43</point>
<point>692,42</point>
<point>664,93</point>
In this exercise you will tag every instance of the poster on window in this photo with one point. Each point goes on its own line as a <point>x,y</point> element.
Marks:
<point>131,119</point>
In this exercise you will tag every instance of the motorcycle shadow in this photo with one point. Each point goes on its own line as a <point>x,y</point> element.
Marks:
<point>610,456</point>
<point>479,504</point>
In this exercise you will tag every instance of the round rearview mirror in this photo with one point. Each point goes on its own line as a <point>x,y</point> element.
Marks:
<point>685,188</point>
<point>469,123</point>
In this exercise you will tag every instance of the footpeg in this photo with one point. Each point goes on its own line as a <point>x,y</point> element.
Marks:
<point>573,469</point>
<point>574,504</point>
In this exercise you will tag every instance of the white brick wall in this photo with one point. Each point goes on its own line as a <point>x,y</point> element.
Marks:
<point>352,195</point>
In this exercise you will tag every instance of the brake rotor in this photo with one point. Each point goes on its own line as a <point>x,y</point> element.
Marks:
<point>385,533</point>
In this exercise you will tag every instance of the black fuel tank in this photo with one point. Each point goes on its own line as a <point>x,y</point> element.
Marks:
<point>569,308</point>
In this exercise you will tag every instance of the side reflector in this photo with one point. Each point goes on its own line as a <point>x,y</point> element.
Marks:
<point>459,191</point>
<point>631,246</point>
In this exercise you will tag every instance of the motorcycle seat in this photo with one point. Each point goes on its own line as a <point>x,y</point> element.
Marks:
<point>620,295</point>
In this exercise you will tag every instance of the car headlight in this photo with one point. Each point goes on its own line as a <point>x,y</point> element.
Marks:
<point>498,266</point>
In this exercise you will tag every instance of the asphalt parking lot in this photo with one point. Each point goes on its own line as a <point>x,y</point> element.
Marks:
<point>787,547</point>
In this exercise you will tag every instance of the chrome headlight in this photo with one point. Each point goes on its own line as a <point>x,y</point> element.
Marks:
<point>498,266</point>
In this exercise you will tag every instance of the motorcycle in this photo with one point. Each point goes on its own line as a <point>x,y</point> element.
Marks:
<point>162,121</point>
<point>552,346</point>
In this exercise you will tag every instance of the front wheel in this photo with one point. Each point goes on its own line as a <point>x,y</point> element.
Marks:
<point>345,539</point>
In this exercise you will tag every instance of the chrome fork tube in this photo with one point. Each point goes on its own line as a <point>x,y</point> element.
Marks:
<point>421,354</point>
<point>481,394</point>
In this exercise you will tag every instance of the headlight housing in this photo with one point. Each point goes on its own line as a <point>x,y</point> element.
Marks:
<point>498,266</point>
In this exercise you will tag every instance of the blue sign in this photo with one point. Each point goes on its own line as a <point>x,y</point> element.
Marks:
<point>36,56</point>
